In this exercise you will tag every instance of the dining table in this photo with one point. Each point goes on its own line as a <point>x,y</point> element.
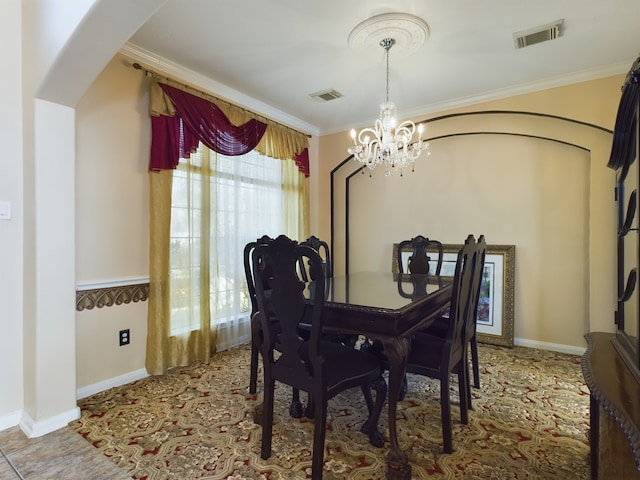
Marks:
<point>376,306</point>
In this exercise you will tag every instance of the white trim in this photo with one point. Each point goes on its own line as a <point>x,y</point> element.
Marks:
<point>555,347</point>
<point>110,383</point>
<point>154,62</point>
<point>523,88</point>
<point>117,282</point>
<point>10,419</point>
<point>37,429</point>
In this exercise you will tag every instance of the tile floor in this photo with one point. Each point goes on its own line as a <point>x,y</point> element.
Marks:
<point>62,454</point>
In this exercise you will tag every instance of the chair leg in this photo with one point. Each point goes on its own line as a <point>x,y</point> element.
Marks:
<point>463,392</point>
<point>267,420</point>
<point>476,369</point>
<point>256,343</point>
<point>370,425</point>
<point>253,372</point>
<point>319,430</point>
<point>467,380</point>
<point>445,409</point>
<point>474,362</point>
<point>309,411</point>
<point>368,398</point>
<point>296,409</point>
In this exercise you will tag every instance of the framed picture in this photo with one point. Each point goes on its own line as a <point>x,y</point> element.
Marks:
<point>495,305</point>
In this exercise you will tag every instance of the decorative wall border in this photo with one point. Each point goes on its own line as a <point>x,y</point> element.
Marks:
<point>108,294</point>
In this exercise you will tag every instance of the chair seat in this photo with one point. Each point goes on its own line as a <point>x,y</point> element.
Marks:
<point>426,351</point>
<point>346,366</point>
<point>439,327</point>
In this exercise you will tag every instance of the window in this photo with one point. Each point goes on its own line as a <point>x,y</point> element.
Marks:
<point>219,204</point>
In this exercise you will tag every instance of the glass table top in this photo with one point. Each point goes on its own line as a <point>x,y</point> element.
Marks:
<point>385,290</point>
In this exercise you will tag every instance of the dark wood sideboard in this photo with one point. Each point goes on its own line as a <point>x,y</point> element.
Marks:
<point>615,411</point>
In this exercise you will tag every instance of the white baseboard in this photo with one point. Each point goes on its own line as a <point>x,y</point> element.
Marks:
<point>110,383</point>
<point>555,347</point>
<point>33,429</point>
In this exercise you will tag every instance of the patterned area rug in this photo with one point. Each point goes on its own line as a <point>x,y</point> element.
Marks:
<point>530,421</point>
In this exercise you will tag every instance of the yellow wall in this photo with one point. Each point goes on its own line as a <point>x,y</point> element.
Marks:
<point>112,217</point>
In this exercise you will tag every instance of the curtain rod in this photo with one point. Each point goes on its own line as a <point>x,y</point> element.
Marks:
<point>146,71</point>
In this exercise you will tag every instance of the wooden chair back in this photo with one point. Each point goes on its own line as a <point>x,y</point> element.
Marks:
<point>420,258</point>
<point>299,325</point>
<point>325,255</point>
<point>265,270</point>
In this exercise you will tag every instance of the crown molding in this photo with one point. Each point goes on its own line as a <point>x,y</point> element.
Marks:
<point>162,66</point>
<point>524,88</point>
<point>174,70</point>
<point>512,91</point>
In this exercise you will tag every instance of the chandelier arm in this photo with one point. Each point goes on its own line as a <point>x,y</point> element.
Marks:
<point>406,128</point>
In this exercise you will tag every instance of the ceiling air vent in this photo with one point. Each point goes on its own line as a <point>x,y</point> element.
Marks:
<point>325,95</point>
<point>550,31</point>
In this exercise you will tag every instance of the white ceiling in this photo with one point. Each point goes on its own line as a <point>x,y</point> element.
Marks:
<point>278,52</point>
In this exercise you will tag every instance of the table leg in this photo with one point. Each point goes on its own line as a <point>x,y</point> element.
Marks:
<point>396,350</point>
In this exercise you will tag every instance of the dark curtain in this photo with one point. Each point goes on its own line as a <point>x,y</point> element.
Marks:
<point>198,120</point>
<point>302,161</point>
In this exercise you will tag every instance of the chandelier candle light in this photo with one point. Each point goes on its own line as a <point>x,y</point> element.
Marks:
<point>388,143</point>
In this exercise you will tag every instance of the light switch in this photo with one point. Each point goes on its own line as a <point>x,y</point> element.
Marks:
<point>5,210</point>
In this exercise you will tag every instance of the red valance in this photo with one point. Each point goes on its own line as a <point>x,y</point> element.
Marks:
<point>302,161</point>
<point>197,120</point>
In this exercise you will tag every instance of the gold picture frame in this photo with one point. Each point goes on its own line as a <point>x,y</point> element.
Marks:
<point>496,307</point>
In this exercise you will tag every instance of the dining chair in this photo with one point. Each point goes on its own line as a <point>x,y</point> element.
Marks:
<point>439,328</point>
<point>418,263</point>
<point>251,288</point>
<point>438,357</point>
<point>419,259</point>
<point>307,362</point>
<point>323,249</point>
<point>472,319</point>
<point>296,409</point>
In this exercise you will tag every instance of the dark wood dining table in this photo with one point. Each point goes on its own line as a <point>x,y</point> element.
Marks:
<point>376,306</point>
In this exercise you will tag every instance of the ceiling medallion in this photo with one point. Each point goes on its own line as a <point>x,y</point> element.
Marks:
<point>408,31</point>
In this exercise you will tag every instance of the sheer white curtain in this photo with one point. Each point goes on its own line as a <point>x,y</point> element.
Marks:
<point>219,204</point>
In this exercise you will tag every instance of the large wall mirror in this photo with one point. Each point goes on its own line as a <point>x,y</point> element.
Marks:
<point>624,159</point>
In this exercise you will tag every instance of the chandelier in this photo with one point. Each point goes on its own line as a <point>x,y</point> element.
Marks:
<point>387,143</point>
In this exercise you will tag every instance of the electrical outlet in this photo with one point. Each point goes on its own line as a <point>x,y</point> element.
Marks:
<point>124,336</point>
